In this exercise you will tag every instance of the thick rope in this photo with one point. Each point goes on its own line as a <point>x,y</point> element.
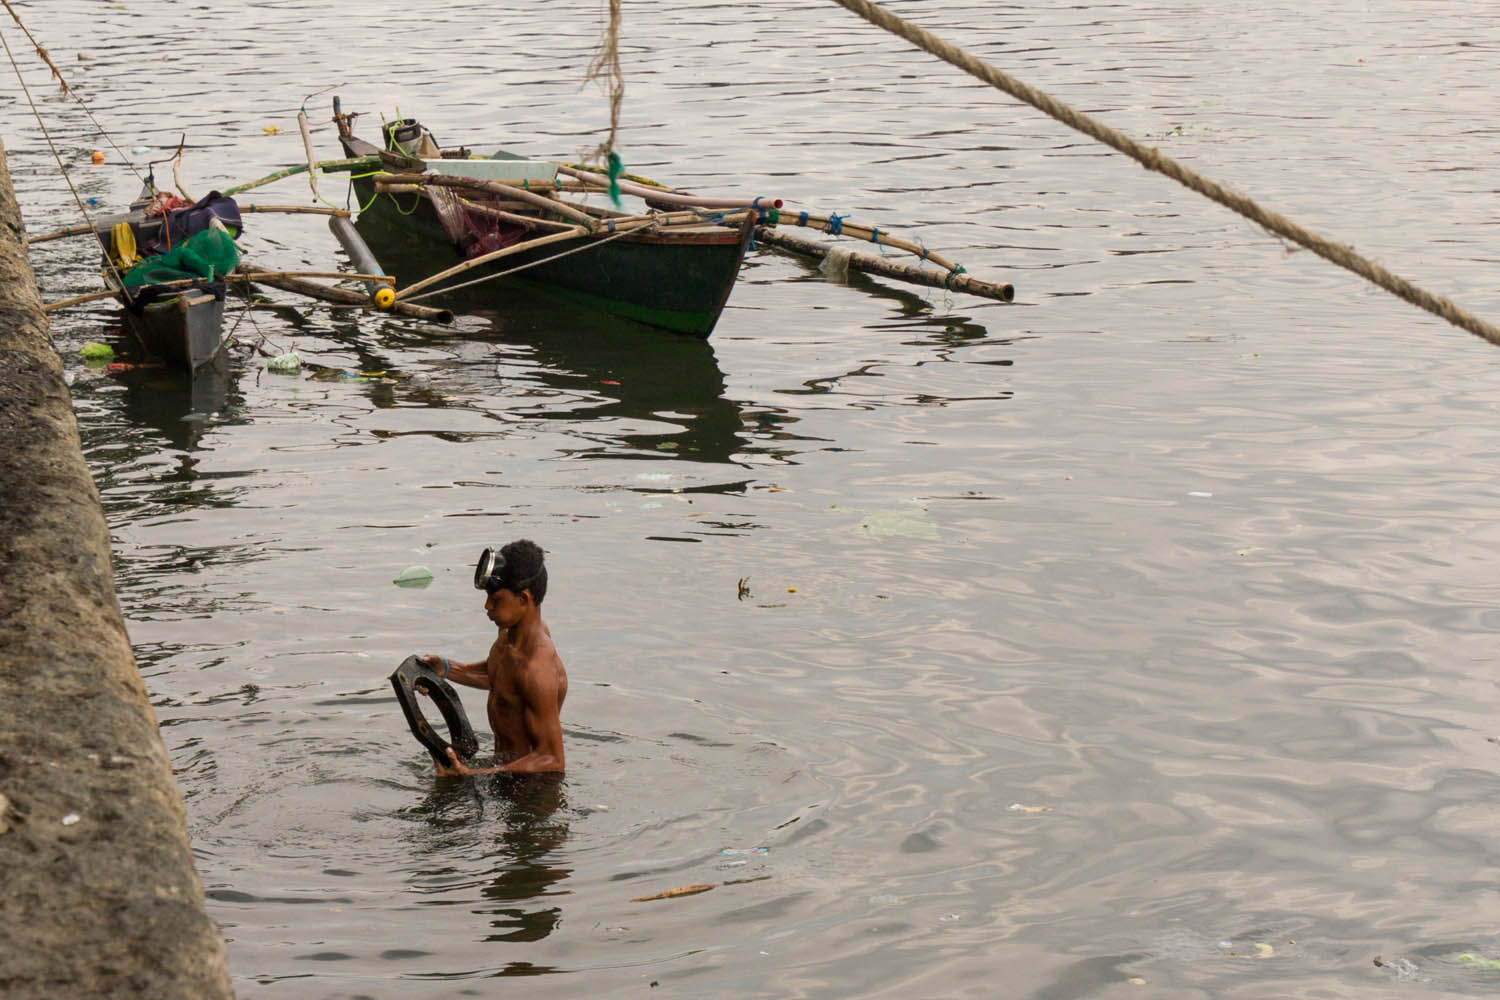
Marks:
<point>1152,159</point>
<point>605,68</point>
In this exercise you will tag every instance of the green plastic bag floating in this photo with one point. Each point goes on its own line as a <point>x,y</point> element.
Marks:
<point>96,352</point>
<point>413,577</point>
<point>285,364</point>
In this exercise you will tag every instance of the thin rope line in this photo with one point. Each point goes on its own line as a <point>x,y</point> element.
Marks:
<point>56,156</point>
<point>523,267</point>
<point>66,89</point>
<point>1152,159</point>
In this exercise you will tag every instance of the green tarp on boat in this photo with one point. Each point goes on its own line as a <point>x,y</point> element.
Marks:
<point>206,256</point>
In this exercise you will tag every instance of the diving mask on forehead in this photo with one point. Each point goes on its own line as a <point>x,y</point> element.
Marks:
<point>489,572</point>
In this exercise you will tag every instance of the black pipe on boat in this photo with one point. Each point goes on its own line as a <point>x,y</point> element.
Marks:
<point>383,294</point>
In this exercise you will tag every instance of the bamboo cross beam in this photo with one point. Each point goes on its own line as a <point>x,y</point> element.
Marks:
<point>327,166</point>
<point>870,234</point>
<point>666,196</point>
<point>572,233</point>
<point>958,282</point>
<point>576,232</point>
<point>296,210</point>
<point>493,187</point>
<point>79,230</point>
<point>265,277</point>
<point>289,282</point>
<point>83,228</point>
<point>500,215</point>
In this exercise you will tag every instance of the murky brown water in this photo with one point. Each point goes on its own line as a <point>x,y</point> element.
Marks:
<point>1192,548</point>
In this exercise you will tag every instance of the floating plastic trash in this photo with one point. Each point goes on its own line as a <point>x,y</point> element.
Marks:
<point>413,577</point>
<point>1480,963</point>
<point>285,363</point>
<point>895,524</point>
<point>835,266</point>
<point>96,352</point>
<point>140,149</point>
<point>735,852</point>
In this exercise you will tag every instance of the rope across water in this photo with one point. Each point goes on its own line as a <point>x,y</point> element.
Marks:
<point>1153,159</point>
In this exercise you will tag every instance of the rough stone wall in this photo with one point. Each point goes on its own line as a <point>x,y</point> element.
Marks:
<point>99,895</point>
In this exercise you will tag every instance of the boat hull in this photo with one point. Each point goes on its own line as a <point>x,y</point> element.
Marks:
<point>677,279</point>
<point>185,329</point>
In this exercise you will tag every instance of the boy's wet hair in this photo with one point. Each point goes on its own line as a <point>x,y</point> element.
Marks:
<point>525,568</point>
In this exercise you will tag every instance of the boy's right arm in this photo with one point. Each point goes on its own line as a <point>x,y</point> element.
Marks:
<point>475,675</point>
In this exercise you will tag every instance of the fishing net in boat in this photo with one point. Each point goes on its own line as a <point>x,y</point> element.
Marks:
<point>207,256</point>
<point>472,225</point>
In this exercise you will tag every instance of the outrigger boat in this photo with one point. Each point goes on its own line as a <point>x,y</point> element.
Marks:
<point>430,213</point>
<point>167,261</point>
<point>431,210</point>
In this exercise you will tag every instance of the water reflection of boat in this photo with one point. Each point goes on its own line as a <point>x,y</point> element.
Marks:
<point>915,308</point>
<point>666,390</point>
<point>181,410</point>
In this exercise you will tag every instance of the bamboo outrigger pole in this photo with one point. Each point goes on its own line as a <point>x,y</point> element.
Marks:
<point>84,228</point>
<point>869,263</point>
<point>343,296</point>
<point>264,277</point>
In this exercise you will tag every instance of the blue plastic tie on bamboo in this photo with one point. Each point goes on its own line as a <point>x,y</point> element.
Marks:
<point>955,272</point>
<point>836,224</point>
<point>611,225</point>
<point>802,219</point>
<point>616,168</point>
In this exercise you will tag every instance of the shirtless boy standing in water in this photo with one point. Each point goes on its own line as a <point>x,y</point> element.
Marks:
<point>523,673</point>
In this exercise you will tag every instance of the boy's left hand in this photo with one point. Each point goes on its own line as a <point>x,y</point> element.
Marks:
<point>454,767</point>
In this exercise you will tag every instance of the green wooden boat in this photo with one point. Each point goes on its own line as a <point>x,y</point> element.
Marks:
<point>677,278</point>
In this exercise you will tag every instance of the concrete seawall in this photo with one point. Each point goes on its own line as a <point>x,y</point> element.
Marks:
<point>100,895</point>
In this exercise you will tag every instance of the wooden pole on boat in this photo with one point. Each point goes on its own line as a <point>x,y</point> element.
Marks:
<point>78,230</point>
<point>83,228</point>
<point>515,248</point>
<point>327,166</point>
<point>960,282</point>
<point>666,196</point>
<point>266,277</point>
<point>493,187</point>
<point>296,210</point>
<point>839,226</point>
<point>342,296</point>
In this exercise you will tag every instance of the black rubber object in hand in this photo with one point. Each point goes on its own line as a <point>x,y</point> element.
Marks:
<point>414,677</point>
